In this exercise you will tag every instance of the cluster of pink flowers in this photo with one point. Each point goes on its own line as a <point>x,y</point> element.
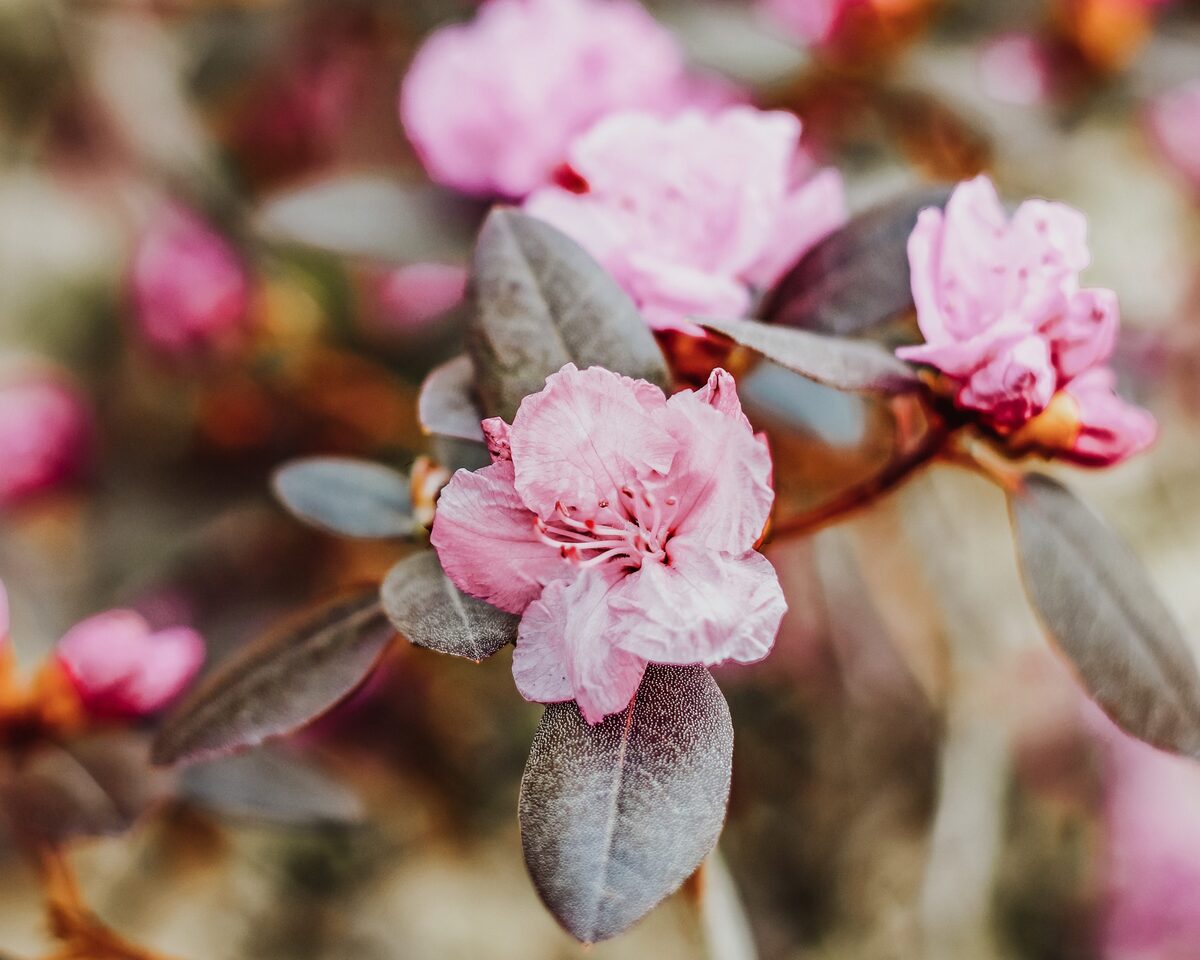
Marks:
<point>491,106</point>
<point>695,214</point>
<point>1006,321</point>
<point>621,525</point>
<point>191,290</point>
<point>1173,119</point>
<point>45,434</point>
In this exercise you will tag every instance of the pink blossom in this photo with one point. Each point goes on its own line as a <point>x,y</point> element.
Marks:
<point>1004,318</point>
<point>695,214</point>
<point>416,294</point>
<point>1016,68</point>
<point>120,667</point>
<point>621,525</point>
<point>812,22</point>
<point>491,105</point>
<point>45,434</point>
<point>190,289</point>
<point>1173,119</point>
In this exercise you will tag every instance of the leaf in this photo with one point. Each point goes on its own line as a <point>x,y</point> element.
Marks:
<point>268,785</point>
<point>365,215</point>
<point>280,682</point>
<point>354,498</point>
<point>432,612</point>
<point>857,278</point>
<point>614,817</point>
<point>539,302</point>
<point>446,405</point>
<point>849,365</point>
<point>1095,599</point>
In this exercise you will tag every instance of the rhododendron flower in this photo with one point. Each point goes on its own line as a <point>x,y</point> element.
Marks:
<point>490,106</point>
<point>1004,318</point>
<point>418,293</point>
<point>693,214</point>
<point>121,667</point>
<point>45,435</point>
<point>1173,119</point>
<point>621,525</point>
<point>190,289</point>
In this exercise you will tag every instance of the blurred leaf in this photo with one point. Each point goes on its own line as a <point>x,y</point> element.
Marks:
<point>280,682</point>
<point>614,817</point>
<point>857,278</point>
<point>267,785</point>
<point>1095,599</point>
<point>354,498</point>
<point>432,612</point>
<point>850,365</point>
<point>539,302</point>
<point>446,405</point>
<point>365,215</point>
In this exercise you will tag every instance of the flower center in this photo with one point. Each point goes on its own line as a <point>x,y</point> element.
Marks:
<point>640,528</point>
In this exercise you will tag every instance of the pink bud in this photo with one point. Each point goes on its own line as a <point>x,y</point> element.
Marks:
<point>417,294</point>
<point>120,667</point>
<point>1015,68</point>
<point>45,432</point>
<point>190,289</point>
<point>812,22</point>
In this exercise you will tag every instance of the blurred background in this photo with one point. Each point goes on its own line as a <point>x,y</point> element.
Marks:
<point>915,774</point>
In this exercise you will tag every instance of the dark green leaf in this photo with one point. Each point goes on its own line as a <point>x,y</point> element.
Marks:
<point>857,278</point>
<point>850,365</point>
<point>447,406</point>
<point>280,682</point>
<point>354,498</point>
<point>432,612</point>
<point>1097,602</point>
<point>539,301</point>
<point>614,817</point>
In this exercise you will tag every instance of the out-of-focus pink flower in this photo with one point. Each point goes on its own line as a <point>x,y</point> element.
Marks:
<point>693,214</point>
<point>999,303</point>
<point>416,294</point>
<point>491,105</point>
<point>120,667</point>
<point>811,22</point>
<point>1016,68</point>
<point>45,435</point>
<point>4,619</point>
<point>622,526</point>
<point>1173,119</point>
<point>190,289</point>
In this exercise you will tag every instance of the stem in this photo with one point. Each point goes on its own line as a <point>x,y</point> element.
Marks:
<point>971,453</point>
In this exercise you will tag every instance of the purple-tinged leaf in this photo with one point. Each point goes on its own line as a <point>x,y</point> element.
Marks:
<point>280,682</point>
<point>432,612</point>
<point>353,498</point>
<point>539,301</point>
<point>614,817</point>
<point>446,405</point>
<point>856,279</point>
<point>1096,601</point>
<point>860,366</point>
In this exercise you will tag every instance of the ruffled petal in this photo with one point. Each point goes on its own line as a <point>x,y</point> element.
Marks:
<point>567,647</point>
<point>1085,334</point>
<point>813,210</point>
<point>486,541</point>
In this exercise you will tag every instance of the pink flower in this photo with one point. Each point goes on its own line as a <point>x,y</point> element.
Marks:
<point>190,289</point>
<point>490,106</point>
<point>4,618</point>
<point>812,22</point>
<point>120,667</point>
<point>999,303</point>
<point>416,294</point>
<point>1016,68</point>
<point>1173,119</point>
<point>696,214</point>
<point>45,435</point>
<point>622,526</point>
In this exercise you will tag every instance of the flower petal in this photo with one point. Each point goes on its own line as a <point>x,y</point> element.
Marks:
<point>567,647</point>
<point>586,435</point>
<point>702,607</point>
<point>1083,336</point>
<point>813,210</point>
<point>486,541</point>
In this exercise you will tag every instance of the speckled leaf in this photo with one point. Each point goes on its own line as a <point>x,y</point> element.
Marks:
<point>280,682</point>
<point>1096,601</point>
<point>354,498</point>
<point>447,406</point>
<point>432,612</point>
<point>856,279</point>
<point>851,365</point>
<point>614,817</point>
<point>540,301</point>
